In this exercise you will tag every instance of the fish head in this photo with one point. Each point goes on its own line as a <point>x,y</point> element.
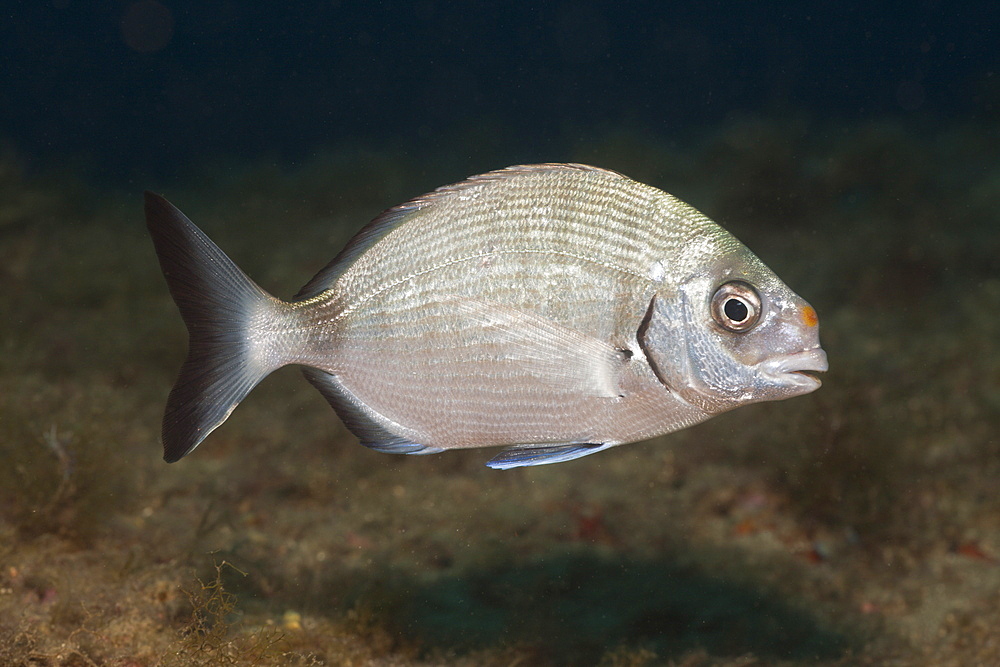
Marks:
<point>732,333</point>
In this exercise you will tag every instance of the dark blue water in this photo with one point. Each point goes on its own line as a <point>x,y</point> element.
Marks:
<point>147,87</point>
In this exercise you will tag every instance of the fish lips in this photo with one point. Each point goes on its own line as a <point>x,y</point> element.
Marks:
<point>795,371</point>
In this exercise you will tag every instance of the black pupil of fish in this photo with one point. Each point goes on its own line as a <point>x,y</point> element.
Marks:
<point>736,310</point>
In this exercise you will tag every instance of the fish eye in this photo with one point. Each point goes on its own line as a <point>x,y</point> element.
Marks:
<point>736,306</point>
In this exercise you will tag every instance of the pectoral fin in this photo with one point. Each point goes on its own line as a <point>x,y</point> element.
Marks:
<point>568,360</point>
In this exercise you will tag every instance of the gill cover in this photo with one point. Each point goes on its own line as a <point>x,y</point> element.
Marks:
<point>718,343</point>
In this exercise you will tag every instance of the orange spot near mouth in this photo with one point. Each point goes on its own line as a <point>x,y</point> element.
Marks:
<point>809,316</point>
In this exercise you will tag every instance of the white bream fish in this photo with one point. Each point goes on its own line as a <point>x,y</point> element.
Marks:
<point>556,309</point>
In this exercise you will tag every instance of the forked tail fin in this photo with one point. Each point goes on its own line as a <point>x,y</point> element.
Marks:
<point>230,322</point>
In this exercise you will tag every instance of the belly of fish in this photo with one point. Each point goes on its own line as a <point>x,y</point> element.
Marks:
<point>410,356</point>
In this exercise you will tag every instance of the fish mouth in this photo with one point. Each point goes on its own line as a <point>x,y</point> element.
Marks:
<point>797,370</point>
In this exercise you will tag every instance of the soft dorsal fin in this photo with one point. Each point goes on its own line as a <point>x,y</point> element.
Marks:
<point>392,218</point>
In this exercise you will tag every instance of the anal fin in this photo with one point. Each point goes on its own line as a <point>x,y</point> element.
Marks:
<point>536,455</point>
<point>374,430</point>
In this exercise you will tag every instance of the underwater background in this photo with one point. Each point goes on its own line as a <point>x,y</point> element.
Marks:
<point>854,147</point>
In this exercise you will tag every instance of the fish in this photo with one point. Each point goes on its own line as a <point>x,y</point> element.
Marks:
<point>555,310</point>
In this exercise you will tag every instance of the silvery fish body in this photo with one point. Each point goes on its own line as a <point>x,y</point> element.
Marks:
<point>554,309</point>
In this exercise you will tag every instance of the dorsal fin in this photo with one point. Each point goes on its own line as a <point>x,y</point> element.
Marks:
<point>392,218</point>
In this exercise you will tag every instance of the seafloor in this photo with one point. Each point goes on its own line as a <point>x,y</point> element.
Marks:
<point>857,525</point>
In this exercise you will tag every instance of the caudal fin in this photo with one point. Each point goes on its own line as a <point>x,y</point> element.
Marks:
<point>227,317</point>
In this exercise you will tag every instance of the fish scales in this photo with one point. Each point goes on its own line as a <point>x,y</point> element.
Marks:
<point>440,242</point>
<point>558,309</point>
<point>569,243</point>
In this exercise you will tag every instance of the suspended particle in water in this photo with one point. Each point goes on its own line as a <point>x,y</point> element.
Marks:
<point>147,26</point>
